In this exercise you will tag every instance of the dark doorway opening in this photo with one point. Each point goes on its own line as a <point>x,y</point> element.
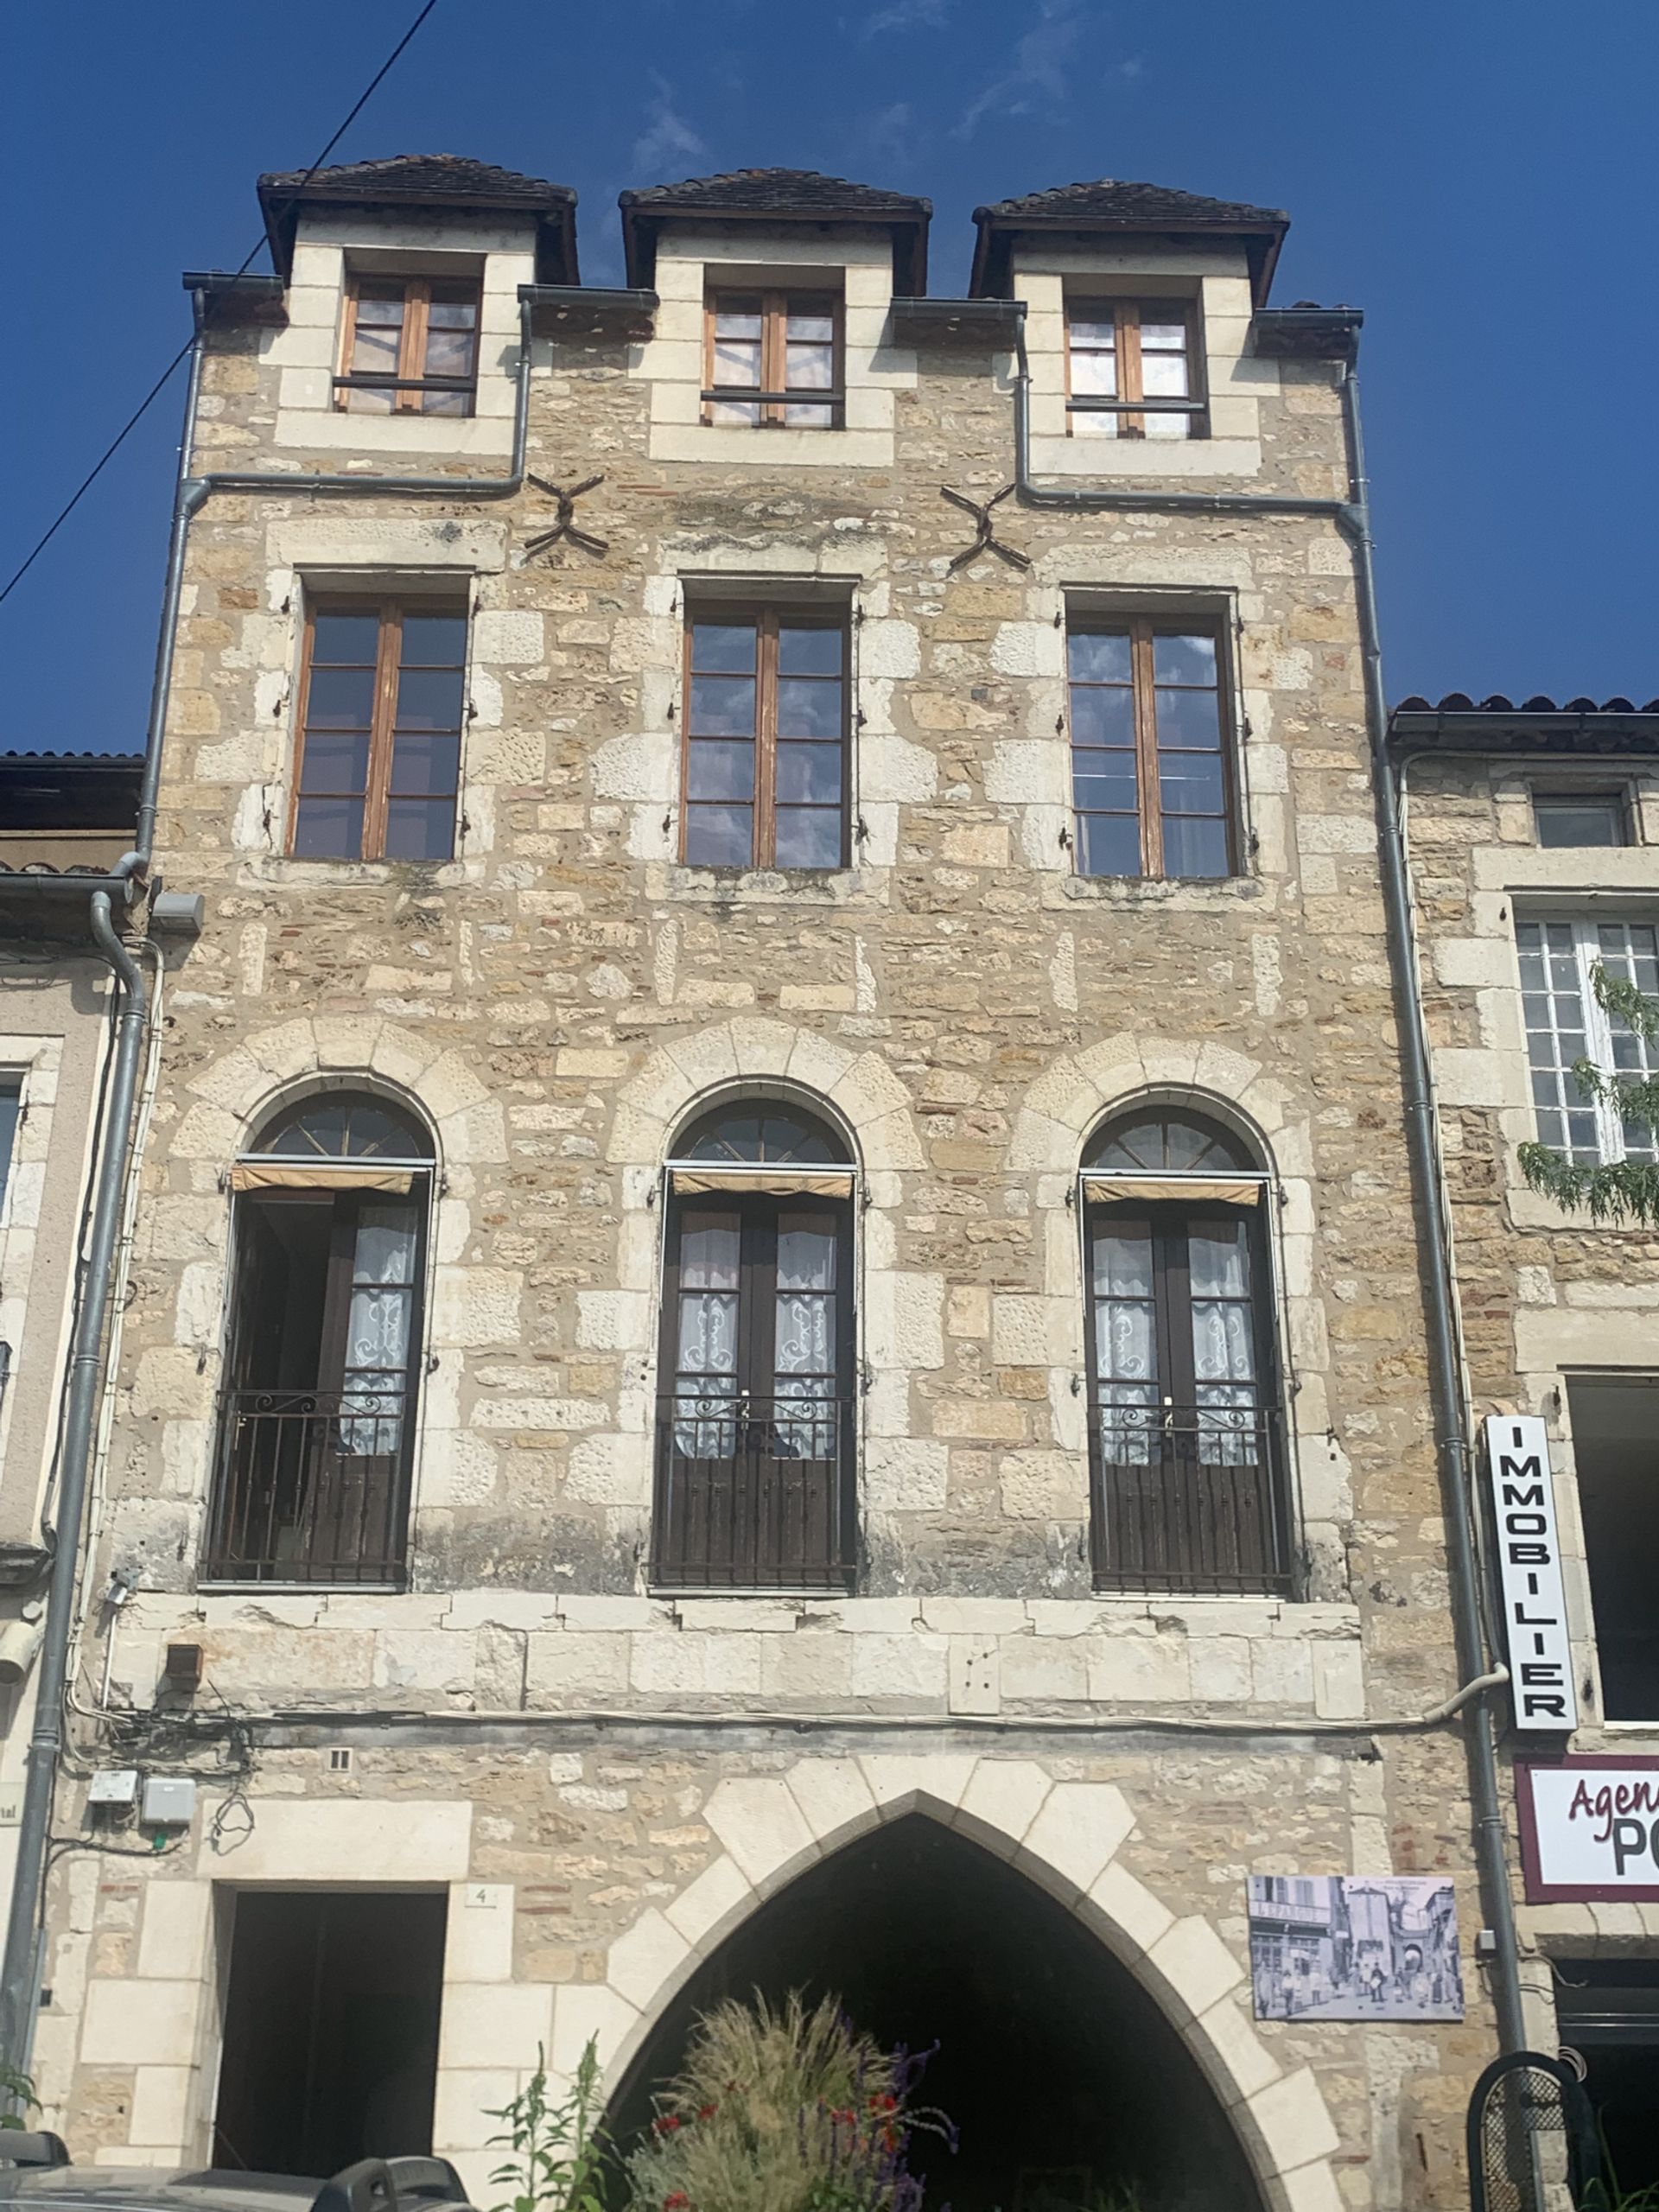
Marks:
<point>1061,2073</point>
<point>1608,2012</point>
<point>1616,1453</point>
<point>331,2029</point>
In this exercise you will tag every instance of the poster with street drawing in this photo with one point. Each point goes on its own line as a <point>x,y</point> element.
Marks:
<point>1354,1946</point>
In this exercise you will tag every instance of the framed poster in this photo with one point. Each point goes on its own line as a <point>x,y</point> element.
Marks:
<point>1354,1946</point>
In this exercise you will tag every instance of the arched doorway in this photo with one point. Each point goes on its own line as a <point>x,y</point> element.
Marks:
<point>1063,2076</point>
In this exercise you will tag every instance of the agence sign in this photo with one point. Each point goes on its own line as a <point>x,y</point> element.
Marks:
<point>1529,1574</point>
<point>1589,1829</point>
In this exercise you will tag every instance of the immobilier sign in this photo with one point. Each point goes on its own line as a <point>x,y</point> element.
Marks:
<point>1530,1574</point>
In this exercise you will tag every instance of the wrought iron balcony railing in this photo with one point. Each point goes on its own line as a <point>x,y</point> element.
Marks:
<point>754,1493</point>
<point>312,1486</point>
<point>1189,1499</point>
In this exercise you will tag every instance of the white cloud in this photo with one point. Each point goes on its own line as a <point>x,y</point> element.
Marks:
<point>907,15</point>
<point>1041,66</point>
<point>669,139</point>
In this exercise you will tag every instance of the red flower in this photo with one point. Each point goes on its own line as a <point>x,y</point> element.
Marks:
<point>676,2201</point>
<point>707,2112</point>
<point>667,2124</point>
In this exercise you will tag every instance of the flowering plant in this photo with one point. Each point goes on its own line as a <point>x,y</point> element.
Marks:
<point>560,2150</point>
<point>786,2110</point>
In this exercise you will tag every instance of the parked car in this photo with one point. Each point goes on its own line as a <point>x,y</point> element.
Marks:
<point>36,2171</point>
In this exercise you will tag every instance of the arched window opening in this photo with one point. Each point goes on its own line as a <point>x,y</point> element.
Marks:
<point>755,1483</point>
<point>1186,1429</point>
<point>316,1428</point>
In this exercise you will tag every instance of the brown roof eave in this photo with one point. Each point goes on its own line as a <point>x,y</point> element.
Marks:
<point>1482,730</point>
<point>990,278</point>
<point>641,226</point>
<point>556,226</point>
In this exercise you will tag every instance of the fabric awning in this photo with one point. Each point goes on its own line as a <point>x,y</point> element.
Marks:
<point>1190,1190</point>
<point>258,1175</point>
<point>777,1182</point>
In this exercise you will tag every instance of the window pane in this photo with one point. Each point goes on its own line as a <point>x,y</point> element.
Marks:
<point>420,828</point>
<point>798,417</point>
<point>808,706</point>
<point>1184,660</point>
<point>425,765</point>
<point>1191,718</point>
<point>813,320</point>
<point>737,361</point>
<point>434,641</point>
<point>1163,376</point>
<point>718,837</point>
<point>448,353</point>
<point>808,368</point>
<point>1162,337</point>
<point>709,1250</point>
<point>345,640</point>
<point>329,763</point>
<point>1095,375</point>
<point>1194,845</point>
<point>722,706</point>
<point>1095,330</point>
<point>809,652</point>
<point>339,698</point>
<point>735,414</point>
<point>1102,784</point>
<point>1189,783</point>
<point>11,1099</point>
<point>1103,717</point>
<point>1099,656</point>
<point>715,770</point>
<point>445,403</point>
<point>1108,844</point>
<point>375,353</point>
<point>328,830</point>
<point>809,836</point>
<point>369,400</point>
<point>429,698</point>
<point>724,648</point>
<point>1568,819</point>
<point>737,314</point>
<point>810,773</point>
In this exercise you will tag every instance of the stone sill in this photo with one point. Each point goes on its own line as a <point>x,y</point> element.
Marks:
<point>1155,891</point>
<point>765,887</point>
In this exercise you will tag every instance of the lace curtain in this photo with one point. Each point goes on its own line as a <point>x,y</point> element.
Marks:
<point>378,1331</point>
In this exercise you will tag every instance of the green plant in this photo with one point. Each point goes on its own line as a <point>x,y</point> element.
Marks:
<point>17,2089</point>
<point>791,2110</point>
<point>560,2150</point>
<point>1624,1189</point>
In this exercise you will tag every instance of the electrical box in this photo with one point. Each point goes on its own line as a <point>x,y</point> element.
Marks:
<point>115,1788</point>
<point>169,1801</point>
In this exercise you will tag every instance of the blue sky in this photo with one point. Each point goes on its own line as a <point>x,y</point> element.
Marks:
<point>1478,175</point>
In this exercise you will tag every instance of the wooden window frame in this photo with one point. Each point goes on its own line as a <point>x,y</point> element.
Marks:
<point>772,395</point>
<point>1127,315</point>
<point>389,613</point>
<point>411,384</point>
<point>1141,630</point>
<point>769,617</point>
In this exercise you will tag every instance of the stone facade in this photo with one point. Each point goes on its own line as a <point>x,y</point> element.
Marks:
<point>606,1777</point>
<point>1545,1296</point>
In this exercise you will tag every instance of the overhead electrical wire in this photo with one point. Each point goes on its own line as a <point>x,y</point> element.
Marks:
<point>156,390</point>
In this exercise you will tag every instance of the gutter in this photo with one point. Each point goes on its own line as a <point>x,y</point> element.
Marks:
<point>1351,516</point>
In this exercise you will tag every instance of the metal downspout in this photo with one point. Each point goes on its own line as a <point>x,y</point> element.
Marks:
<point>18,1976</point>
<point>1352,517</point>
<point>1445,1369</point>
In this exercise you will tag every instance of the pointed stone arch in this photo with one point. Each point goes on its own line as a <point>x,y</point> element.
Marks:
<point>1063,1835</point>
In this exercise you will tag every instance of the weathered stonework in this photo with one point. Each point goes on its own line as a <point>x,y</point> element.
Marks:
<point>553,1006</point>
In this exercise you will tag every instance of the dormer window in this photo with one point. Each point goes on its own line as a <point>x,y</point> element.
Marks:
<point>772,359</point>
<point>1129,367</point>
<point>411,347</point>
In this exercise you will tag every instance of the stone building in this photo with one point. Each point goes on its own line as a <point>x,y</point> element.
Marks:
<point>775,1329</point>
<point>1534,839</point>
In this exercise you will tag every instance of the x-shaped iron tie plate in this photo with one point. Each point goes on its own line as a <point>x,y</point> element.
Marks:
<point>985,541</point>
<point>564,524</point>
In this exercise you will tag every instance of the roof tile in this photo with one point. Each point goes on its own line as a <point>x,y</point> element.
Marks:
<point>1110,200</point>
<point>776,192</point>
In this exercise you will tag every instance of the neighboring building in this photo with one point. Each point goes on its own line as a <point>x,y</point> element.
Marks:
<point>64,820</point>
<point>1534,841</point>
<point>775,1330</point>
